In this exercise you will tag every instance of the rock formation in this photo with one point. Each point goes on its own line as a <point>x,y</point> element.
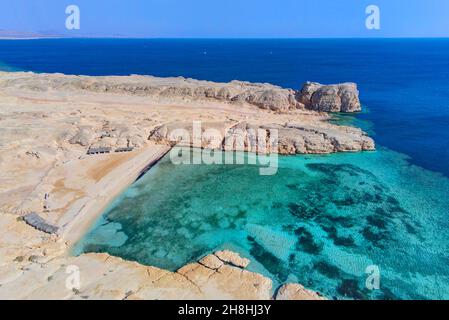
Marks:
<point>314,96</point>
<point>262,95</point>
<point>292,138</point>
<point>294,291</point>
<point>330,98</point>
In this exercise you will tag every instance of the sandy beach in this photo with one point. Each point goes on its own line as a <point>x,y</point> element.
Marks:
<point>124,169</point>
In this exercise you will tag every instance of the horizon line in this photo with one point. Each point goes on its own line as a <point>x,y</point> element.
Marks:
<point>213,38</point>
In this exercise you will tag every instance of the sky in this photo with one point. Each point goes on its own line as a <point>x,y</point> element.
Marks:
<point>228,18</point>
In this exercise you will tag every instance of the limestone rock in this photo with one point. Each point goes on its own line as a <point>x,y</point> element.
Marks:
<point>207,135</point>
<point>325,139</point>
<point>294,291</point>
<point>330,98</point>
<point>243,137</point>
<point>305,94</point>
<point>83,137</point>
<point>228,280</point>
<point>262,95</point>
<point>271,99</point>
<point>232,258</point>
<point>211,261</point>
<point>292,138</point>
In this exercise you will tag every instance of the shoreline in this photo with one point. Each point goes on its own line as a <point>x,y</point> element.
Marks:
<point>50,173</point>
<point>111,186</point>
<point>230,262</point>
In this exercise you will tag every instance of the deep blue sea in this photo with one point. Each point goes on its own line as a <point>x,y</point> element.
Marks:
<point>322,220</point>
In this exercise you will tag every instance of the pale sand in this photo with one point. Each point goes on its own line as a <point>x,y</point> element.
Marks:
<point>75,221</point>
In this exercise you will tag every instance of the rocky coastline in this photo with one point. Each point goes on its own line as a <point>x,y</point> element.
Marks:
<point>47,124</point>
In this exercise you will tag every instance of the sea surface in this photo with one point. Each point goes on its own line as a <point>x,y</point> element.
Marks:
<point>322,220</point>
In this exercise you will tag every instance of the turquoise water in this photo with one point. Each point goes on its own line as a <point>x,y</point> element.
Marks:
<point>321,221</point>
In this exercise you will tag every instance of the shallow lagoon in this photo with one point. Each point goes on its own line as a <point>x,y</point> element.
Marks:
<point>320,221</point>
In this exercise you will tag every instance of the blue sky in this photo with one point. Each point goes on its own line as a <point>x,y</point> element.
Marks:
<point>229,18</point>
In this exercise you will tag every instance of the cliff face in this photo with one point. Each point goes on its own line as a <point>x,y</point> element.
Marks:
<point>292,138</point>
<point>330,98</point>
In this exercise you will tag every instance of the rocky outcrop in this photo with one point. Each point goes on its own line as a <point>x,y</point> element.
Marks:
<point>224,271</point>
<point>309,139</point>
<point>206,135</point>
<point>262,95</point>
<point>109,135</point>
<point>330,98</point>
<point>232,258</point>
<point>314,96</point>
<point>294,291</point>
<point>83,137</point>
<point>290,138</point>
<point>271,98</point>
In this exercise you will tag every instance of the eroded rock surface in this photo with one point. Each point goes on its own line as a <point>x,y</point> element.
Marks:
<point>262,95</point>
<point>294,291</point>
<point>330,98</point>
<point>288,138</point>
<point>232,258</point>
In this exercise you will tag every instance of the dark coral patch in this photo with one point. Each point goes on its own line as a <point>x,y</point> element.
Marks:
<point>288,228</point>
<point>292,260</point>
<point>327,269</point>
<point>344,241</point>
<point>293,186</point>
<point>376,238</point>
<point>348,201</point>
<point>410,229</point>
<point>333,169</point>
<point>395,206</point>
<point>387,294</point>
<point>376,221</point>
<point>306,242</point>
<point>349,288</point>
<point>276,205</point>
<point>268,260</point>
<point>339,240</point>
<point>303,211</point>
<point>381,212</point>
<point>332,219</point>
<point>294,209</point>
